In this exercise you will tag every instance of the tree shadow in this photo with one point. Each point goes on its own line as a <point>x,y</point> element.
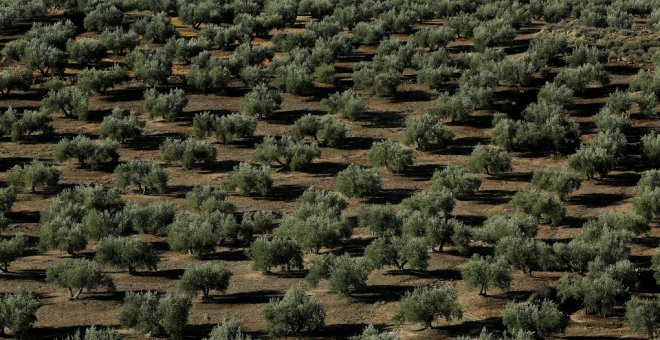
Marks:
<point>232,255</point>
<point>463,146</point>
<point>422,172</point>
<point>472,327</point>
<point>253,297</point>
<point>353,246</point>
<point>284,192</point>
<point>325,168</point>
<point>289,117</point>
<point>393,196</point>
<point>153,142</point>
<point>381,293</point>
<point>383,119</point>
<point>170,274</point>
<point>357,143</point>
<point>410,96</point>
<point>491,197</point>
<point>438,274</point>
<point>597,200</point>
<point>627,179</point>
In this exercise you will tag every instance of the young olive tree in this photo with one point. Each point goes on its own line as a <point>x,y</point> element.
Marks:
<point>651,148</point>
<point>101,80</point>
<point>205,277</point>
<point>78,274</point>
<point>324,130</point>
<point>205,200</point>
<point>425,304</point>
<point>399,252</point>
<point>643,317</point>
<point>295,313</point>
<point>126,252</point>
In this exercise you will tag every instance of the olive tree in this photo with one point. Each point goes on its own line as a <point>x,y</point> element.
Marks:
<point>187,152</point>
<point>429,203</point>
<point>145,174</point>
<point>14,79</point>
<point>208,73</point>
<point>155,315</point>
<point>205,277</point>
<point>426,304</point>
<point>355,181</point>
<point>101,80</point>
<point>268,253</point>
<point>651,148</point>
<point>643,317</point>
<point>167,105</point>
<point>119,41</point>
<point>126,252</point>
<point>426,131</point>
<point>227,330</point>
<point>246,179</point>
<point>345,274</point>
<point>348,104</point>
<point>324,130</point>
<point>150,66</point>
<point>204,200</point>
<point>18,312</point>
<point>541,204</point>
<point>69,100</point>
<point>485,273</point>
<point>600,155</point>
<point>10,250</point>
<point>399,252</point>
<point>544,319</point>
<point>29,122</point>
<point>121,126</point>
<point>390,155</point>
<point>499,226</point>
<point>291,155</point>
<point>152,218</point>
<point>78,274</point>
<point>526,254</point>
<point>381,220</point>
<point>86,151</point>
<point>489,159</point>
<point>34,175</point>
<point>262,101</point>
<point>457,179</point>
<point>156,28</point>
<point>295,313</point>
<point>85,51</point>
<point>559,181</point>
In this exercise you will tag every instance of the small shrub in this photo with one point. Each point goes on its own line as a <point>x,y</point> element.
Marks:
<point>205,277</point>
<point>425,304</point>
<point>355,181</point>
<point>169,105</point>
<point>76,275</point>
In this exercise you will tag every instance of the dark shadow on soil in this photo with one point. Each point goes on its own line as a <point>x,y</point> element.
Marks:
<point>170,274</point>
<point>357,143</point>
<point>393,196</point>
<point>597,200</point>
<point>384,293</point>
<point>492,197</point>
<point>258,297</point>
<point>285,192</point>
<point>325,169</point>
<point>382,119</point>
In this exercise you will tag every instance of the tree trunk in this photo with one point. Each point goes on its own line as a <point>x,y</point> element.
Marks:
<point>5,269</point>
<point>482,291</point>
